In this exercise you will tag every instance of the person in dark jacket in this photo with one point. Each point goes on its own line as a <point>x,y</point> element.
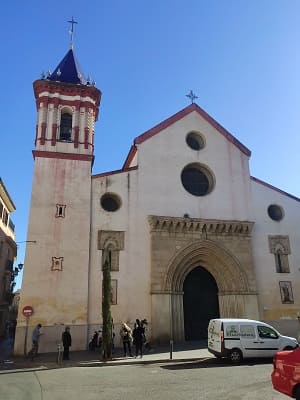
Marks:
<point>94,342</point>
<point>67,343</point>
<point>138,337</point>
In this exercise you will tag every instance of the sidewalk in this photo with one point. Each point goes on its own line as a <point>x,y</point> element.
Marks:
<point>182,352</point>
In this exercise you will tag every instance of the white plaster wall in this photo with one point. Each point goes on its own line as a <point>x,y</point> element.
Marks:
<point>134,274</point>
<point>162,158</point>
<point>270,304</point>
<point>58,297</point>
<point>156,188</point>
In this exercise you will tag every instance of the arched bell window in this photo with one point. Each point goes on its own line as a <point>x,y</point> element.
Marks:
<point>65,127</point>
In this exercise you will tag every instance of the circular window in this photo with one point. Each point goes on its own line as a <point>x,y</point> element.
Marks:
<point>110,202</point>
<point>197,179</point>
<point>275,212</point>
<point>195,141</point>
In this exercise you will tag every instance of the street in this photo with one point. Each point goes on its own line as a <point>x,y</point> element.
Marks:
<point>208,379</point>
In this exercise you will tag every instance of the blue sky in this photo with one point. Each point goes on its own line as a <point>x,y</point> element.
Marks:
<point>241,58</point>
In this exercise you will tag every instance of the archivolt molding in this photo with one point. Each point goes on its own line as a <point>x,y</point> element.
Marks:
<point>225,268</point>
<point>279,242</point>
<point>214,227</point>
<point>111,239</point>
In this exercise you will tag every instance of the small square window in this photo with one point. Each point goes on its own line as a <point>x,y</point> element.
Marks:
<point>60,210</point>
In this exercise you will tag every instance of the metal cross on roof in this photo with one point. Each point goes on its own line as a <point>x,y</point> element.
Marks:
<point>71,32</point>
<point>192,96</point>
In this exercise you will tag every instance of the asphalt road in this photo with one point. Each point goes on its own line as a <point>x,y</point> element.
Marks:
<point>209,379</point>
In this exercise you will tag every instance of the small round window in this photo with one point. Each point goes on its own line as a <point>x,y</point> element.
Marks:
<point>110,202</point>
<point>195,141</point>
<point>275,212</point>
<point>197,179</point>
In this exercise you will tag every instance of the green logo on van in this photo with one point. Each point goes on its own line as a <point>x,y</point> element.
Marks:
<point>232,331</point>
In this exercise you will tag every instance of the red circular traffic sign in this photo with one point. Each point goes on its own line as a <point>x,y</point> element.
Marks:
<point>27,311</point>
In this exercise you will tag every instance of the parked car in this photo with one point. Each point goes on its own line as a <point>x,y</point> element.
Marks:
<point>245,338</point>
<point>286,373</point>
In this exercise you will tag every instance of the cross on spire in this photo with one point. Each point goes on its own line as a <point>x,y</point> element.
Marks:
<point>71,32</point>
<point>192,96</point>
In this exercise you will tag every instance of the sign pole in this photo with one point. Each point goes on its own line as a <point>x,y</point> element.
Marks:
<point>27,312</point>
<point>26,334</point>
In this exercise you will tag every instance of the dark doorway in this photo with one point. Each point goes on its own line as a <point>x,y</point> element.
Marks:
<point>200,303</point>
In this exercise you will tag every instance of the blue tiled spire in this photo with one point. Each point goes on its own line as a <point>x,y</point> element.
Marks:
<point>68,70</point>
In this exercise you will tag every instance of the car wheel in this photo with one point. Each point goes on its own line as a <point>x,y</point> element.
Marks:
<point>235,356</point>
<point>288,348</point>
<point>297,393</point>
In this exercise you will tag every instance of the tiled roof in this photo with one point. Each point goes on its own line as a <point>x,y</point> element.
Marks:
<point>68,70</point>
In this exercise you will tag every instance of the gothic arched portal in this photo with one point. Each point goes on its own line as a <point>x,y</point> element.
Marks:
<point>187,254</point>
<point>200,303</point>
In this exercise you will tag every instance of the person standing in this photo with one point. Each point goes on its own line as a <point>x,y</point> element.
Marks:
<point>94,341</point>
<point>138,338</point>
<point>35,341</point>
<point>67,343</point>
<point>126,335</point>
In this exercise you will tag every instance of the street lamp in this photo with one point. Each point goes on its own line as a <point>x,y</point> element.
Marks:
<point>14,274</point>
<point>16,270</point>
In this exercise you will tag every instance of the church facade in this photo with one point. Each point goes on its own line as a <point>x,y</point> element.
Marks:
<point>192,234</point>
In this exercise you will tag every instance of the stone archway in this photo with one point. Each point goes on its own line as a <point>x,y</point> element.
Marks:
<point>235,289</point>
<point>179,245</point>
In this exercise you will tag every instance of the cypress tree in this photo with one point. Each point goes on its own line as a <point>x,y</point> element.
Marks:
<point>106,314</point>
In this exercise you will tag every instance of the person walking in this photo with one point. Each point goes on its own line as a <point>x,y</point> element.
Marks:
<point>67,343</point>
<point>138,337</point>
<point>35,341</point>
<point>126,335</point>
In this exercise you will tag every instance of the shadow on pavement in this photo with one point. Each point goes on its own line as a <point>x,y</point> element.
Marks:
<point>215,363</point>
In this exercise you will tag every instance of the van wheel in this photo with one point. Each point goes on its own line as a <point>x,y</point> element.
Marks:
<point>288,348</point>
<point>235,356</point>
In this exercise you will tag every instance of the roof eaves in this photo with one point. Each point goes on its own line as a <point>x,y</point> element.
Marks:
<point>130,156</point>
<point>268,185</point>
<point>179,115</point>
<point>118,171</point>
<point>6,197</point>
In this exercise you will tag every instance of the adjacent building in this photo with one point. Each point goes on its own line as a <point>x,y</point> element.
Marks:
<point>192,234</point>
<point>8,253</point>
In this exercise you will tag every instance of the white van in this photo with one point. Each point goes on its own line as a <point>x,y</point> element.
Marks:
<point>245,338</point>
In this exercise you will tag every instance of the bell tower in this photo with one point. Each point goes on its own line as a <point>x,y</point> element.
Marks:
<point>56,267</point>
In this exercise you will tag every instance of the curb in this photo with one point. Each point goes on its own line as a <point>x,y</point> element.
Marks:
<point>98,363</point>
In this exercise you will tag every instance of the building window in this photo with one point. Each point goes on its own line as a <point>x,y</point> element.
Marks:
<point>197,179</point>
<point>114,258</point>
<point>280,247</point>
<point>60,211</point>
<point>279,261</point>
<point>113,292</point>
<point>110,202</point>
<point>65,127</point>
<point>195,140</point>
<point>5,216</point>
<point>275,212</point>
<point>113,241</point>
<point>286,292</point>
<point>57,264</point>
